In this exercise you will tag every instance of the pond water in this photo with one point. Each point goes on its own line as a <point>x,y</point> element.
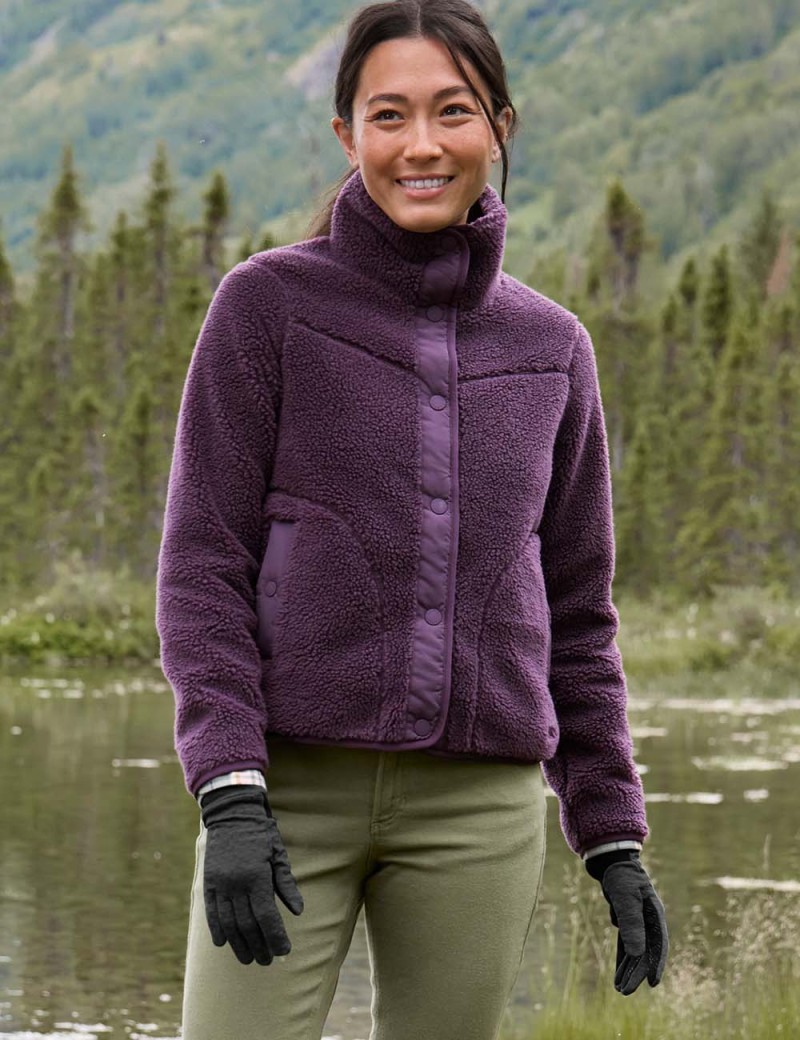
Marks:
<point>97,838</point>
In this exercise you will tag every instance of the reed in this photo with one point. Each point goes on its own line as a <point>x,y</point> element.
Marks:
<point>748,989</point>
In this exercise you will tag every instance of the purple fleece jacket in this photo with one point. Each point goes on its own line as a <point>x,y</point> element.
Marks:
<point>388,521</point>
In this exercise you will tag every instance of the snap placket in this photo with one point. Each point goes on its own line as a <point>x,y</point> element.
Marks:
<point>437,367</point>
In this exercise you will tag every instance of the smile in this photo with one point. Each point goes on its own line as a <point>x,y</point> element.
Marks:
<point>422,183</point>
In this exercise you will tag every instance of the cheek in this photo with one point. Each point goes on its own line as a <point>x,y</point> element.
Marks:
<point>480,144</point>
<point>374,146</point>
<point>476,146</point>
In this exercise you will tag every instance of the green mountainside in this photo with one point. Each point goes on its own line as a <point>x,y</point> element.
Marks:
<point>695,105</point>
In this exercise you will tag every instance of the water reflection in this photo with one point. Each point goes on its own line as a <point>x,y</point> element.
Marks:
<point>97,846</point>
<point>741,884</point>
<point>739,765</point>
<point>690,798</point>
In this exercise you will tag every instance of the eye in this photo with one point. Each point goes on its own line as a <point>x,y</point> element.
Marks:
<point>385,116</point>
<point>456,110</point>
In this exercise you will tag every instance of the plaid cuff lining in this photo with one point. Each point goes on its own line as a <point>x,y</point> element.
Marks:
<point>241,776</point>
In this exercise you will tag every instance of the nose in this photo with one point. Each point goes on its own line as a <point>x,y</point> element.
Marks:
<point>421,142</point>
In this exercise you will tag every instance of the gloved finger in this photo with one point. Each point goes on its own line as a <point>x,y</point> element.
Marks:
<point>270,922</point>
<point>249,930</point>
<point>630,974</point>
<point>212,916</point>
<point>285,882</point>
<point>232,934</point>
<point>620,951</point>
<point>631,926</point>
<point>657,939</point>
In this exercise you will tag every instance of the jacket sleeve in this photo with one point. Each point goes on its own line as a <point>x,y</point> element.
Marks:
<point>212,534</point>
<point>592,772</point>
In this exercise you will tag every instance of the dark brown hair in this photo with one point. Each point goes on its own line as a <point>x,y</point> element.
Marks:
<point>456,24</point>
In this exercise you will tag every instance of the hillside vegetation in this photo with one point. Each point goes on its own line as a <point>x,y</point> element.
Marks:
<point>695,105</point>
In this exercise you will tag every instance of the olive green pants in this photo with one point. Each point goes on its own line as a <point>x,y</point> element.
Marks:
<point>444,855</point>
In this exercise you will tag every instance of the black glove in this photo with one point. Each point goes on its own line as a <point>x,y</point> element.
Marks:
<point>245,864</point>
<point>642,941</point>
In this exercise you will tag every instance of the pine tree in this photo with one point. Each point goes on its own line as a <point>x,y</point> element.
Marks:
<point>122,281</point>
<point>165,355</point>
<point>689,284</point>
<point>59,228</point>
<point>47,362</point>
<point>625,227</point>
<point>137,504</point>
<point>718,305</point>
<point>758,246</point>
<point>687,396</point>
<point>642,516</point>
<point>91,506</point>
<point>615,317</point>
<point>93,418</point>
<point>215,221</point>
<point>722,540</point>
<point>160,237</point>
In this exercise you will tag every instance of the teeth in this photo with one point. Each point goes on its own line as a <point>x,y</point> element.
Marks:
<point>428,182</point>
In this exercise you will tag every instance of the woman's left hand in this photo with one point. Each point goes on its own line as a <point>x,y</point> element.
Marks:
<point>642,942</point>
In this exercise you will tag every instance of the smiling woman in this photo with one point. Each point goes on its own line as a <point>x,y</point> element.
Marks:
<point>385,580</point>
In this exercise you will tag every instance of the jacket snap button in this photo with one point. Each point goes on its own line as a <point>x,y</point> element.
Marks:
<point>438,505</point>
<point>433,616</point>
<point>435,313</point>
<point>438,402</point>
<point>422,727</point>
<point>271,588</point>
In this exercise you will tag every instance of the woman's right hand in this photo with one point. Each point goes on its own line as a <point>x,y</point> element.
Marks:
<point>245,865</point>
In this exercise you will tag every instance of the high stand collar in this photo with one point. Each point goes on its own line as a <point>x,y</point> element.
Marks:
<point>365,236</point>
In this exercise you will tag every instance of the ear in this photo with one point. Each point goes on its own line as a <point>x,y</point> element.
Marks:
<point>503,123</point>
<point>344,132</point>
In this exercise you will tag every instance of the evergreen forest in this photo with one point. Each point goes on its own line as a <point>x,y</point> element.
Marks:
<point>700,377</point>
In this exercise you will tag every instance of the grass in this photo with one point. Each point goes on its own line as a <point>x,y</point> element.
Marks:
<point>96,615</point>
<point>737,628</point>
<point>85,615</point>
<point>749,990</point>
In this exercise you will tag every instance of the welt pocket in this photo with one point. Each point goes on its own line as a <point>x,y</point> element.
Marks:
<point>270,587</point>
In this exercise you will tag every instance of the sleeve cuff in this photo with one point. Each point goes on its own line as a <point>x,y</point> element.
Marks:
<point>241,776</point>
<point>611,846</point>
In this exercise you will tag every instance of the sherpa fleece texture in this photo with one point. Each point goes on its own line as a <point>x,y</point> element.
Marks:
<point>388,521</point>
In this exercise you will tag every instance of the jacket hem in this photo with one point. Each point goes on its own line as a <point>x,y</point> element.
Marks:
<point>418,745</point>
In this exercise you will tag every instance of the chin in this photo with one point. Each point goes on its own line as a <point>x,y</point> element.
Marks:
<point>422,224</point>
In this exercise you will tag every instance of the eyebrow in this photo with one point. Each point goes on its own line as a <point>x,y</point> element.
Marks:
<point>445,92</point>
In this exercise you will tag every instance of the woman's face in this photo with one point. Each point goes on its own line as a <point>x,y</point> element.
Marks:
<point>419,137</point>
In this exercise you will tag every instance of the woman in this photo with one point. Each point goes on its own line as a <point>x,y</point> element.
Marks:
<point>384,583</point>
